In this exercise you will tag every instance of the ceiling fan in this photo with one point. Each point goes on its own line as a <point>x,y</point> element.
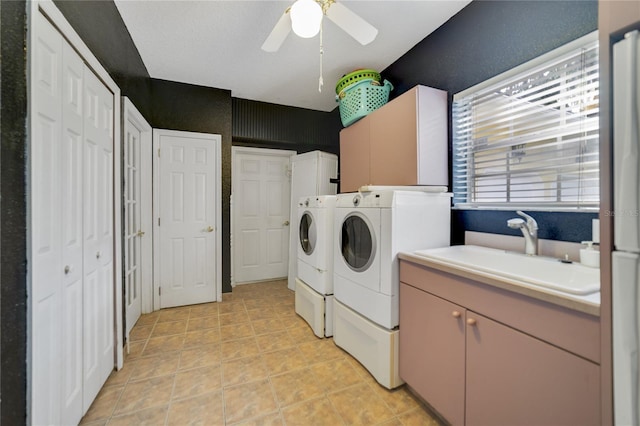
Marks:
<point>305,17</point>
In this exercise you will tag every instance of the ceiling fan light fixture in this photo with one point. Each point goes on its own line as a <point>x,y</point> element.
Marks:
<point>306,17</point>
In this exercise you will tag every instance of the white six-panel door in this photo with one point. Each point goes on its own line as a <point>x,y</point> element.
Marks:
<point>98,235</point>
<point>72,232</point>
<point>261,202</point>
<point>71,206</point>
<point>47,269</point>
<point>187,190</point>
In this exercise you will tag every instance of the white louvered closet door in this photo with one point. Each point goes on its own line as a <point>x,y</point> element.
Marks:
<point>72,279</point>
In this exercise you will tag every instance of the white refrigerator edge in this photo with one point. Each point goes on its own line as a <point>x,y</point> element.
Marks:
<point>311,174</point>
<point>625,258</point>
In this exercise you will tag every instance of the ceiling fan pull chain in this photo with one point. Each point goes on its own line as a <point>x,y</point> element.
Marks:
<point>320,81</point>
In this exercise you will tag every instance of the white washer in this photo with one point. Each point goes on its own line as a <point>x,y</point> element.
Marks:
<point>314,284</point>
<point>371,228</point>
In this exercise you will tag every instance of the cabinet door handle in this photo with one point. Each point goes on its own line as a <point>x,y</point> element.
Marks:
<point>456,314</point>
<point>67,269</point>
<point>98,254</point>
<point>471,321</point>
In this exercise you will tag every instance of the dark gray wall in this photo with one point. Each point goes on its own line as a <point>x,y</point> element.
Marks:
<point>13,214</point>
<point>284,127</point>
<point>487,38</point>
<point>484,39</point>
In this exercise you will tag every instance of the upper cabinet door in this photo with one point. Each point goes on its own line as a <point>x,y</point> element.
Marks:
<point>354,156</point>
<point>394,142</point>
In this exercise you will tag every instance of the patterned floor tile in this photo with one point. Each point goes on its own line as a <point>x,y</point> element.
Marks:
<point>249,360</point>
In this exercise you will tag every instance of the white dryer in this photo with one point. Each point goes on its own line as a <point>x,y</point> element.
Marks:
<point>314,284</point>
<point>371,228</point>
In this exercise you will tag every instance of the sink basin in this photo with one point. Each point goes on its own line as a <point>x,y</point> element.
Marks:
<point>537,270</point>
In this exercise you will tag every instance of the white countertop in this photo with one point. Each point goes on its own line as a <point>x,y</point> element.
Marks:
<point>589,304</point>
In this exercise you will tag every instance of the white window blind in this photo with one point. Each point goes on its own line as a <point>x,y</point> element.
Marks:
<point>529,138</point>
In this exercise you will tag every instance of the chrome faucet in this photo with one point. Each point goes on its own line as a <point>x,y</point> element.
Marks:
<point>529,230</point>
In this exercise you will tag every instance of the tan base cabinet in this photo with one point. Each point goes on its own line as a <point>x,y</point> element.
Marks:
<point>432,350</point>
<point>474,370</point>
<point>402,143</point>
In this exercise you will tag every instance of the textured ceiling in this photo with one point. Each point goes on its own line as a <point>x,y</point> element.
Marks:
<point>217,44</point>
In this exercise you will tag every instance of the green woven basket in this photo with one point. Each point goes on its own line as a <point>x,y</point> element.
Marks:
<point>361,99</point>
<point>356,76</point>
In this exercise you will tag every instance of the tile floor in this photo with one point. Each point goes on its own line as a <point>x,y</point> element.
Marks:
<point>249,360</point>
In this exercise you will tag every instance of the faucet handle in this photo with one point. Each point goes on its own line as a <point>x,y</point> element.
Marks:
<point>515,223</point>
<point>530,221</point>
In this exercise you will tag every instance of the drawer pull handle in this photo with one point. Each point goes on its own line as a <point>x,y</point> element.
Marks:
<point>456,314</point>
<point>471,321</point>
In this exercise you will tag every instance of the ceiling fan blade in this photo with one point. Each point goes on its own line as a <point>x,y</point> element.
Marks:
<point>352,24</point>
<point>278,34</point>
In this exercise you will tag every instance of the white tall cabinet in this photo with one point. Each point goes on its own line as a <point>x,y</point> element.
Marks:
<point>72,230</point>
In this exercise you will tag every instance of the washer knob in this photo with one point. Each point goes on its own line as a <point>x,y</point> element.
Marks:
<point>356,200</point>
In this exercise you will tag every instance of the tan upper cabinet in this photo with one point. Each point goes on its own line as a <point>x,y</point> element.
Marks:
<point>354,150</point>
<point>402,143</point>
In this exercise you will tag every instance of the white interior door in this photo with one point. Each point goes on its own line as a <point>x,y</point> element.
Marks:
<point>261,187</point>
<point>72,234</point>
<point>98,266</point>
<point>71,198</point>
<point>132,229</point>
<point>47,269</point>
<point>187,192</point>
<point>137,214</point>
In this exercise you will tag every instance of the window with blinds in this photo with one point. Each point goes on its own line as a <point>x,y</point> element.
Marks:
<point>529,137</point>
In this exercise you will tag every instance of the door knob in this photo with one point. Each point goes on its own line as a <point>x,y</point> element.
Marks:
<point>209,229</point>
<point>286,223</point>
<point>140,233</point>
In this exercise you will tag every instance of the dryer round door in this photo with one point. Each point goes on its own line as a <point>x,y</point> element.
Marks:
<point>308,234</point>
<point>357,242</point>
